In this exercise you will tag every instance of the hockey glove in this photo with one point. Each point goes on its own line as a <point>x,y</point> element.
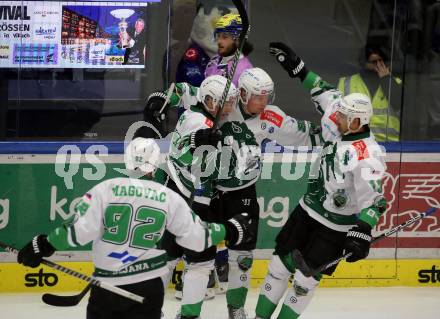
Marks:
<point>358,242</point>
<point>289,60</point>
<point>32,254</point>
<point>155,110</point>
<point>208,136</point>
<point>240,229</point>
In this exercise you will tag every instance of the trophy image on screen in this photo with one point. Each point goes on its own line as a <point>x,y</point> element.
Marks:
<point>122,14</point>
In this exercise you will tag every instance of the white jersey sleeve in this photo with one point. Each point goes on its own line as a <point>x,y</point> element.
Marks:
<point>89,225</point>
<point>368,173</point>
<point>189,229</point>
<point>274,124</point>
<point>184,95</point>
<point>291,132</point>
<point>182,158</point>
<point>325,98</point>
<point>326,103</point>
<point>85,225</point>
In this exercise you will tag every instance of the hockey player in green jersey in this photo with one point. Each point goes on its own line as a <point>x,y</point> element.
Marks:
<point>125,218</point>
<point>343,201</point>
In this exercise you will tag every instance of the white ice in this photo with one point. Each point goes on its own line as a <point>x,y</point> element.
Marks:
<point>328,303</point>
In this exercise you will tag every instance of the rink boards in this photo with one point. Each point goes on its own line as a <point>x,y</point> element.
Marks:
<point>36,195</point>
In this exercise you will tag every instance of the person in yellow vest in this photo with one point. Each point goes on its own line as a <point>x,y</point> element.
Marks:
<point>374,81</point>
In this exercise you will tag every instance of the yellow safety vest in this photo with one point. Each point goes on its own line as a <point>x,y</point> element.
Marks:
<point>384,125</point>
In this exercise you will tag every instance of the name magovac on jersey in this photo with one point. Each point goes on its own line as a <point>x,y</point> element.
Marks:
<point>138,191</point>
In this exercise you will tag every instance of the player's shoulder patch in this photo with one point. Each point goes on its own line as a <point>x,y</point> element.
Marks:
<point>272,116</point>
<point>84,204</point>
<point>332,117</point>
<point>361,149</point>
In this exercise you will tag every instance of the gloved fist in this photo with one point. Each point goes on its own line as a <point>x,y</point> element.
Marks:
<point>288,59</point>
<point>208,136</point>
<point>33,252</point>
<point>358,242</point>
<point>155,110</point>
<point>240,229</point>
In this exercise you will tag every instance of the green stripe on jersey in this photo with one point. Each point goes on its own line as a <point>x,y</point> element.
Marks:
<point>135,268</point>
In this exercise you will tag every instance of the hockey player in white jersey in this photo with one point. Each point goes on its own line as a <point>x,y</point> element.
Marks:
<point>195,131</point>
<point>265,121</point>
<point>125,218</point>
<point>268,121</point>
<point>256,92</point>
<point>343,201</point>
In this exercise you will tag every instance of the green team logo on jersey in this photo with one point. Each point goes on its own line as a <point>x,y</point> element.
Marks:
<point>340,199</point>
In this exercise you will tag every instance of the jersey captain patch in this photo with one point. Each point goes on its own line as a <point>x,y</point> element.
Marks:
<point>272,117</point>
<point>361,149</point>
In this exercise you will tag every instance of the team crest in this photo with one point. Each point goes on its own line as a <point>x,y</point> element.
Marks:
<point>236,128</point>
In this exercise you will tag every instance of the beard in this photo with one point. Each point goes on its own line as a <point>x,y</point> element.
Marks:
<point>230,50</point>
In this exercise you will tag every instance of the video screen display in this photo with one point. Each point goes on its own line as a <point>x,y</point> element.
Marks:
<point>61,34</point>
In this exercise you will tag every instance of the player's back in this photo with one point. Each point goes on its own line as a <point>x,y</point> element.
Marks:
<point>133,216</point>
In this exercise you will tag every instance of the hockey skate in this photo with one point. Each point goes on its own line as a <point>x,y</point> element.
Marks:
<point>236,313</point>
<point>179,316</point>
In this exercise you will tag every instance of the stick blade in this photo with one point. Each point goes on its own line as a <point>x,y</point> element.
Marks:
<point>61,301</point>
<point>300,263</point>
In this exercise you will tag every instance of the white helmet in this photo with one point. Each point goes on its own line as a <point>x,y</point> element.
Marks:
<point>356,105</point>
<point>213,86</point>
<point>143,154</point>
<point>256,81</point>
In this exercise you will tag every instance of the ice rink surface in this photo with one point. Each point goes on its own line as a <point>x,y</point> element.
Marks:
<point>328,303</point>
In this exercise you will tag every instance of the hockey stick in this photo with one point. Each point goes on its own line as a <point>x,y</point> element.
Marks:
<point>65,301</point>
<point>74,273</point>
<point>308,272</point>
<point>241,40</point>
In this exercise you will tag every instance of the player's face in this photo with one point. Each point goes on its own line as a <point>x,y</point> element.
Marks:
<point>226,44</point>
<point>342,123</point>
<point>227,107</point>
<point>257,103</point>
